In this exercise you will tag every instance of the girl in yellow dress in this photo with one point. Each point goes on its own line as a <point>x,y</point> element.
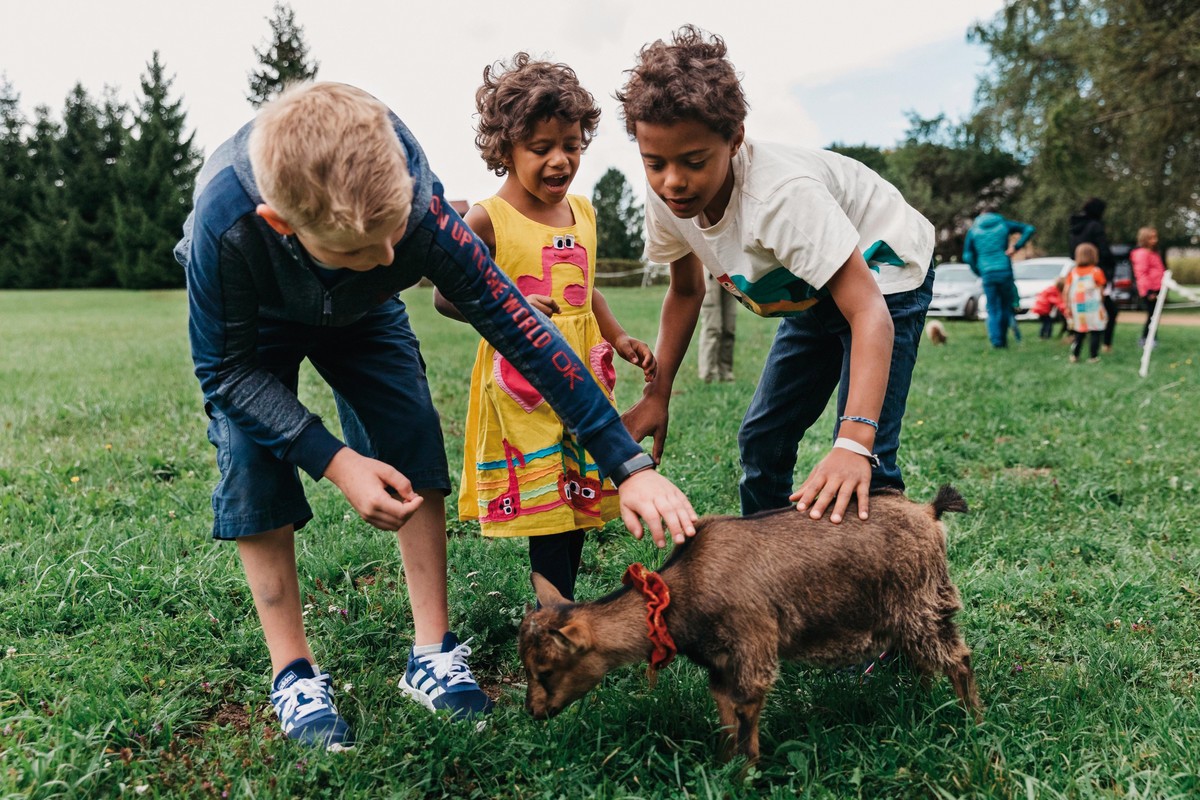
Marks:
<point>523,472</point>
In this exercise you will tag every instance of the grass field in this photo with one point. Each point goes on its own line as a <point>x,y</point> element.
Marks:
<point>131,661</point>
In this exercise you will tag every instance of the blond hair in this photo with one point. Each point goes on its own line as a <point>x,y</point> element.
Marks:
<point>1145,235</point>
<point>1086,255</point>
<point>326,158</point>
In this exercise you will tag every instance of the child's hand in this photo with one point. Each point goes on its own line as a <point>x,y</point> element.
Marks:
<point>839,478</point>
<point>654,499</point>
<point>638,353</point>
<point>378,492</point>
<point>648,417</point>
<point>543,303</point>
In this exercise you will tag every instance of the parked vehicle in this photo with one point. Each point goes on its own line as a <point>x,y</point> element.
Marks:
<point>957,292</point>
<point>1124,289</point>
<point>1033,275</point>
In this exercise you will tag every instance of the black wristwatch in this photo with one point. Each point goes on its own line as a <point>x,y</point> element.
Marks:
<point>641,461</point>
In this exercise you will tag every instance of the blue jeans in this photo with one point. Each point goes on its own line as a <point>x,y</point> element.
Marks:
<point>1001,297</point>
<point>808,360</point>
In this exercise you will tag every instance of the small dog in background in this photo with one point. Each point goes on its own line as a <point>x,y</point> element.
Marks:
<point>936,331</point>
<point>748,591</point>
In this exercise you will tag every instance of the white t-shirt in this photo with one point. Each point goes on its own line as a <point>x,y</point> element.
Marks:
<point>795,216</point>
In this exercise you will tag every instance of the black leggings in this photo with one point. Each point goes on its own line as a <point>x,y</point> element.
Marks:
<point>1110,306</point>
<point>556,556</point>
<point>1093,343</point>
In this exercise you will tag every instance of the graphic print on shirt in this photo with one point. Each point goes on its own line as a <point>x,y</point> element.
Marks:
<point>563,250</point>
<point>779,293</point>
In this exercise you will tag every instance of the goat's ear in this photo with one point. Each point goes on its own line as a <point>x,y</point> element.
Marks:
<point>574,637</point>
<point>547,595</point>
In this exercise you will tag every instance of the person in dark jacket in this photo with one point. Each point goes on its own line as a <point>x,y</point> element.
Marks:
<point>1087,225</point>
<point>307,224</point>
<point>988,250</point>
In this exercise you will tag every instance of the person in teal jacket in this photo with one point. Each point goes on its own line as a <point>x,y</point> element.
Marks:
<point>988,251</point>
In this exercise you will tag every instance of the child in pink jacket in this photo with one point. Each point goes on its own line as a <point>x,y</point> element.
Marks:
<point>1148,269</point>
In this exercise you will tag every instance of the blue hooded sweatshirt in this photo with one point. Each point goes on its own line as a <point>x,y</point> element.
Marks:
<point>986,247</point>
<point>240,271</point>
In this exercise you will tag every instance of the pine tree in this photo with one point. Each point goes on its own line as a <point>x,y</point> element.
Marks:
<point>618,217</point>
<point>15,177</point>
<point>39,253</point>
<point>81,197</point>
<point>284,61</point>
<point>157,169</point>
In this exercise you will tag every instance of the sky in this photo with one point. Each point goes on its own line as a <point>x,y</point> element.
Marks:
<point>814,72</point>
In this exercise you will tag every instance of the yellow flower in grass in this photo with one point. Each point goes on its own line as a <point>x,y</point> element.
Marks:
<point>74,479</point>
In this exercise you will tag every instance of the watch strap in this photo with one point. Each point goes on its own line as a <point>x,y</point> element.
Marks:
<point>642,461</point>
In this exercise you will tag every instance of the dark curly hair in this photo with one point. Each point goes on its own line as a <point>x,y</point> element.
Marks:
<point>690,78</point>
<point>517,95</point>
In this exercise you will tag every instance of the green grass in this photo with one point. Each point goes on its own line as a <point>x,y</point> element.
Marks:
<point>130,655</point>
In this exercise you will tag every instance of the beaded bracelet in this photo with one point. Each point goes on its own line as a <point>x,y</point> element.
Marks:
<point>863,420</point>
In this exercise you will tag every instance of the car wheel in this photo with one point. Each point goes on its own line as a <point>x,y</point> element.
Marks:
<point>971,309</point>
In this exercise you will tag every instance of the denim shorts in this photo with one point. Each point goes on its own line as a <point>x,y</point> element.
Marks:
<point>377,375</point>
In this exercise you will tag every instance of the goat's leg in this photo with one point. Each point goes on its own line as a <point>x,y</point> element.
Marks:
<point>727,712</point>
<point>747,731</point>
<point>943,651</point>
<point>962,678</point>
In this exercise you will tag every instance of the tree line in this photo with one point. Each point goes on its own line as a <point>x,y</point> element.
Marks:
<point>1082,98</point>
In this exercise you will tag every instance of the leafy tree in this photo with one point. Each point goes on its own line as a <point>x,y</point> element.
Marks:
<point>284,60</point>
<point>157,169</point>
<point>15,178</point>
<point>1099,97</point>
<point>874,157</point>
<point>948,172</point>
<point>618,217</point>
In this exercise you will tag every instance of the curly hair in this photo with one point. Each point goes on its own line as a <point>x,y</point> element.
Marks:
<point>517,95</point>
<point>690,78</point>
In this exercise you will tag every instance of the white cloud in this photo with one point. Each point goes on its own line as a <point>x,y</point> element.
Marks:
<point>425,59</point>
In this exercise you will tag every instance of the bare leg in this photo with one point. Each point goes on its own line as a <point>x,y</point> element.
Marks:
<point>269,560</point>
<point>423,551</point>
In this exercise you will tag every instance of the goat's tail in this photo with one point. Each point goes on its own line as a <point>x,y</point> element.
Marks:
<point>948,499</point>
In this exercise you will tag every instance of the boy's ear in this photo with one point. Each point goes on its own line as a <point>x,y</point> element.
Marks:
<point>547,595</point>
<point>739,136</point>
<point>277,223</point>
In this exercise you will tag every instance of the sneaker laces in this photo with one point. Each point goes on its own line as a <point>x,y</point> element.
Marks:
<point>315,689</point>
<point>450,666</point>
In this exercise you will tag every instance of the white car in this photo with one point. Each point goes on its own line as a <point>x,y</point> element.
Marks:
<point>1032,276</point>
<point>957,292</point>
<point>1035,274</point>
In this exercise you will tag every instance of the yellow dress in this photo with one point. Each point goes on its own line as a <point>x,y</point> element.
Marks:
<point>523,472</point>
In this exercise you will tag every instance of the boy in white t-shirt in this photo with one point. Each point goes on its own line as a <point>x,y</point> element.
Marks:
<point>807,235</point>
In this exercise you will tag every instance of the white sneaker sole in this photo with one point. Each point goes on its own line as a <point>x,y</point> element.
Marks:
<point>418,696</point>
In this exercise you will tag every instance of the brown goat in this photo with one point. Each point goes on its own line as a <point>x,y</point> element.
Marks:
<point>748,591</point>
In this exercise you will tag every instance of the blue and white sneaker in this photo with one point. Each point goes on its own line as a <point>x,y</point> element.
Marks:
<point>303,699</point>
<point>443,681</point>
